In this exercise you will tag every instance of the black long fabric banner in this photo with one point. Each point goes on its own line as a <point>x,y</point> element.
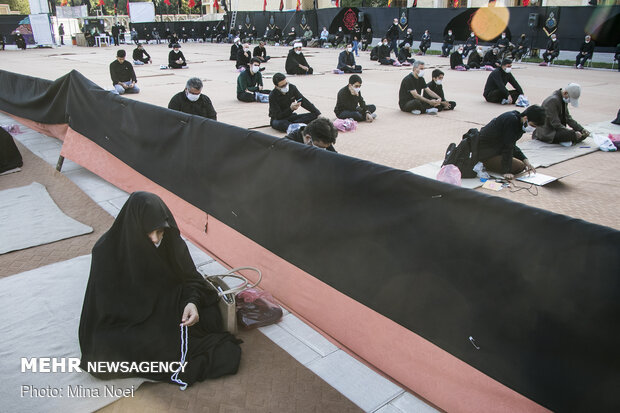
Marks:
<point>537,292</point>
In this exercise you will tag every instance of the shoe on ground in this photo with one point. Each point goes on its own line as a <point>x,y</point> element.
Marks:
<point>373,115</point>
<point>505,101</point>
<point>432,111</point>
<point>415,112</point>
<point>568,143</point>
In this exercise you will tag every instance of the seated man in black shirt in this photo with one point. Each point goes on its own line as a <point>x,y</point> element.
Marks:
<point>260,52</point>
<point>470,44</point>
<point>410,95</point>
<point>320,133</point>
<point>176,60</point>
<point>495,90</point>
<point>436,86</point>
<point>504,45</point>
<point>448,44</point>
<point>243,57</point>
<point>553,50</point>
<point>456,59</point>
<point>350,103</point>
<point>291,36</point>
<point>346,61</point>
<point>284,100</point>
<point>140,56</point>
<point>192,101</point>
<point>491,58</point>
<point>383,54</point>
<point>296,63</point>
<point>521,48</point>
<point>123,75</point>
<point>404,55</point>
<point>475,58</point>
<point>425,42</point>
<point>586,51</point>
<point>250,84</point>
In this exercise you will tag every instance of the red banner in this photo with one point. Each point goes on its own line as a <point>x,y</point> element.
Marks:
<point>191,4</point>
<point>167,2</point>
<point>298,5</point>
<point>63,3</point>
<point>217,6</point>
<point>456,4</point>
<point>101,2</point>
<point>526,2</point>
<point>281,4</point>
<point>265,5</point>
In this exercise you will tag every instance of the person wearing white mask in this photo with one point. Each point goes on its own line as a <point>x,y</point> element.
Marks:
<point>346,61</point>
<point>404,55</point>
<point>456,60</point>
<point>497,141</point>
<point>495,90</point>
<point>192,101</point>
<point>559,126</point>
<point>284,100</point>
<point>448,44</point>
<point>470,44</point>
<point>383,54</point>
<point>503,44</point>
<point>250,84</point>
<point>243,57</point>
<point>296,63</point>
<point>436,85</point>
<point>585,52</point>
<point>425,42</point>
<point>474,61</point>
<point>350,103</point>
<point>176,60</point>
<point>553,51</point>
<point>411,93</point>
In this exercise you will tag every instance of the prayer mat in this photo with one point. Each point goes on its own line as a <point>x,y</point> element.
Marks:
<point>70,199</point>
<point>431,169</point>
<point>29,217</point>
<point>39,317</point>
<point>11,171</point>
<point>542,154</point>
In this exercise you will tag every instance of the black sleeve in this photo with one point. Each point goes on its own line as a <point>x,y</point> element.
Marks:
<point>113,74</point>
<point>133,73</point>
<point>175,103</point>
<point>211,113</point>
<point>275,112</point>
<point>514,83</point>
<point>305,103</point>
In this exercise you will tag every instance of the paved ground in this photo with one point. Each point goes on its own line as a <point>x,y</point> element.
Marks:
<point>396,139</point>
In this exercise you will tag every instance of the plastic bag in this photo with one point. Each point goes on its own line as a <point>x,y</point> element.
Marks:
<point>345,125</point>
<point>12,129</point>
<point>604,143</point>
<point>293,127</point>
<point>481,172</point>
<point>615,139</point>
<point>256,308</point>
<point>522,101</point>
<point>449,174</point>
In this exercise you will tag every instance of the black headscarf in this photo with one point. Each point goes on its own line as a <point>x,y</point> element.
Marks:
<point>136,294</point>
<point>10,158</point>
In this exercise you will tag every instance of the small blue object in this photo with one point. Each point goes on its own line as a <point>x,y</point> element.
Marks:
<point>483,179</point>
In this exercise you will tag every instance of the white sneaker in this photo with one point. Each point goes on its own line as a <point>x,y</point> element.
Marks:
<point>505,101</point>
<point>373,115</point>
<point>568,143</point>
<point>415,112</point>
<point>432,111</point>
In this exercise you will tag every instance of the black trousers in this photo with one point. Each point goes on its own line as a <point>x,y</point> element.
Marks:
<point>415,104</point>
<point>474,65</point>
<point>565,135</point>
<point>357,115</point>
<point>582,59</point>
<point>386,61</point>
<point>299,71</point>
<point>452,106</point>
<point>549,56</point>
<point>424,47</point>
<point>445,49</point>
<point>497,95</point>
<point>283,124</point>
<point>357,69</point>
<point>468,49</point>
<point>250,97</point>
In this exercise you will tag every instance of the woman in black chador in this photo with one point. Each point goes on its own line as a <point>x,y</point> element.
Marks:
<point>143,289</point>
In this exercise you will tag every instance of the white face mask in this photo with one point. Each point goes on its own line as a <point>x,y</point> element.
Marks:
<point>438,82</point>
<point>503,36</point>
<point>192,97</point>
<point>385,43</point>
<point>527,128</point>
<point>255,69</point>
<point>472,35</point>
<point>298,51</point>
<point>460,51</point>
<point>566,100</point>
<point>357,89</point>
<point>284,89</point>
<point>421,73</point>
<point>508,69</point>
<point>449,33</point>
<point>176,51</point>
<point>246,50</point>
<point>349,49</point>
<point>553,39</point>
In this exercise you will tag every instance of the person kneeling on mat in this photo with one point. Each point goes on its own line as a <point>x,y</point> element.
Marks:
<point>555,129</point>
<point>350,103</point>
<point>497,148</point>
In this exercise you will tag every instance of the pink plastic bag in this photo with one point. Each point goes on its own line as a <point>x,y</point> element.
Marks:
<point>256,308</point>
<point>460,68</point>
<point>615,139</point>
<point>449,174</point>
<point>345,125</point>
<point>12,129</point>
